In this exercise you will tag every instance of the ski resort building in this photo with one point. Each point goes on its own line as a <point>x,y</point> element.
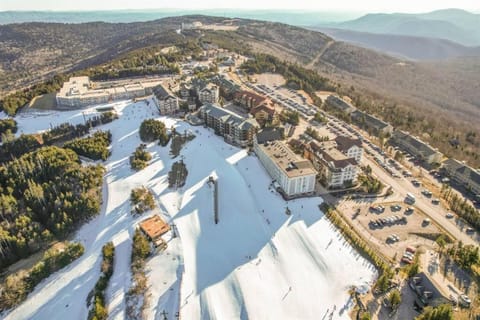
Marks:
<point>79,92</point>
<point>154,227</point>
<point>208,94</point>
<point>416,147</point>
<point>294,175</point>
<point>336,169</point>
<point>248,100</point>
<point>265,113</point>
<point>340,104</point>
<point>350,147</point>
<point>166,102</point>
<point>370,123</point>
<point>234,128</point>
<point>462,174</point>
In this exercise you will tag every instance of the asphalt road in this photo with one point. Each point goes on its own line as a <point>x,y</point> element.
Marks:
<point>435,212</point>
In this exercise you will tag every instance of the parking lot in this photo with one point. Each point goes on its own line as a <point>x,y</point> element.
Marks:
<point>392,226</point>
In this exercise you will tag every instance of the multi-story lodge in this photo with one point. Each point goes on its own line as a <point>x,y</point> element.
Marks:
<point>265,113</point>
<point>335,169</point>
<point>235,129</point>
<point>294,175</point>
<point>350,147</point>
<point>463,174</point>
<point>227,86</point>
<point>208,93</point>
<point>80,92</point>
<point>416,147</point>
<point>370,123</point>
<point>166,102</point>
<point>248,99</point>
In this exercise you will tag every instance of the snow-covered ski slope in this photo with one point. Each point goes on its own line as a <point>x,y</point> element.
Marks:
<point>256,263</point>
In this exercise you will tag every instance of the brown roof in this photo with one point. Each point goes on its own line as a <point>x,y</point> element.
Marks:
<point>258,99</point>
<point>331,155</point>
<point>263,107</point>
<point>345,143</point>
<point>154,227</point>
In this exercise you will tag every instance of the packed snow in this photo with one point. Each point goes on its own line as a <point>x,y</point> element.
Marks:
<point>256,263</point>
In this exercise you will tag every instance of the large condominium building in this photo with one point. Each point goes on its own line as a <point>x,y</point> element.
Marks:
<point>208,93</point>
<point>80,92</point>
<point>248,99</point>
<point>166,102</point>
<point>416,147</point>
<point>336,170</point>
<point>463,174</point>
<point>293,174</point>
<point>265,113</point>
<point>235,129</point>
<point>351,147</point>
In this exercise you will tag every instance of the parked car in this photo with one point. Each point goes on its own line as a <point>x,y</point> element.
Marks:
<point>407,260</point>
<point>410,249</point>
<point>465,300</point>
<point>449,215</point>
<point>396,207</point>
<point>435,201</point>
<point>416,183</point>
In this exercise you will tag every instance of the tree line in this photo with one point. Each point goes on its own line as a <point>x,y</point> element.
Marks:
<point>44,195</point>
<point>7,127</point>
<point>461,206</point>
<point>137,295</point>
<point>94,147</point>
<point>96,297</point>
<point>15,147</point>
<point>295,75</point>
<point>17,286</point>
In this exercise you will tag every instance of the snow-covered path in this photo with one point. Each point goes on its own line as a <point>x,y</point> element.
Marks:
<point>257,263</point>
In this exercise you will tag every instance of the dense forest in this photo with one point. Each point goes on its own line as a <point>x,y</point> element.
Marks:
<point>44,195</point>
<point>94,147</point>
<point>7,127</point>
<point>12,102</point>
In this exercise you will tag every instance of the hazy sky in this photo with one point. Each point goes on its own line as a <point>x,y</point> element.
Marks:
<point>320,5</point>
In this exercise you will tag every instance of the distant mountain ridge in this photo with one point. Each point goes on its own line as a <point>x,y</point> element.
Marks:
<point>451,24</point>
<point>404,47</point>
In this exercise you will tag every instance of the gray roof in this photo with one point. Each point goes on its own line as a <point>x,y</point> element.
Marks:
<point>462,169</point>
<point>370,120</point>
<point>269,134</point>
<point>344,143</point>
<point>228,116</point>
<point>161,93</point>
<point>421,147</point>
<point>339,103</point>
